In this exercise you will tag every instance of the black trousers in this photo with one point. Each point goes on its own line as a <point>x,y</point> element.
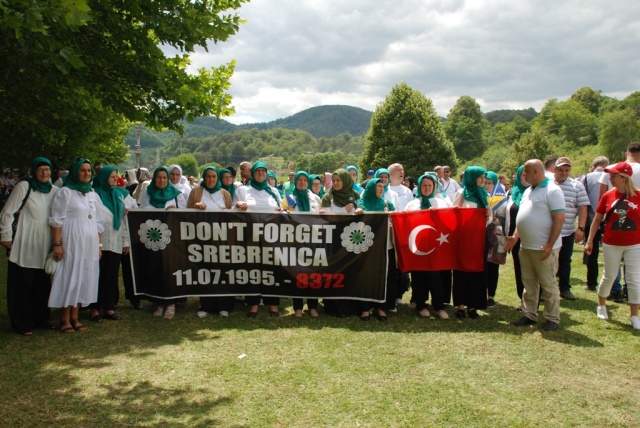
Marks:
<point>469,289</point>
<point>446,281</point>
<point>108,289</point>
<point>592,260</point>
<point>299,303</point>
<point>517,270</point>
<point>422,284</point>
<point>27,297</point>
<point>493,272</point>
<point>127,279</point>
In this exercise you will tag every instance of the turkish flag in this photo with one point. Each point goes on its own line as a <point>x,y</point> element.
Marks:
<point>441,239</point>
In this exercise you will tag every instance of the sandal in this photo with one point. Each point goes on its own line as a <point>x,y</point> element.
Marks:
<point>113,316</point>
<point>159,311</point>
<point>169,312</point>
<point>96,318</point>
<point>77,326</point>
<point>67,329</point>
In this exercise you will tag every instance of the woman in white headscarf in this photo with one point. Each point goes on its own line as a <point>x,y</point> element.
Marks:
<point>179,181</point>
<point>144,178</point>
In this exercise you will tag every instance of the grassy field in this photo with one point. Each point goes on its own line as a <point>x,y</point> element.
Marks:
<point>289,372</point>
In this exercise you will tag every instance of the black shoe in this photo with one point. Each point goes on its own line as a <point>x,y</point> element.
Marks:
<point>567,295</point>
<point>274,314</point>
<point>461,314</point>
<point>252,314</point>
<point>524,321</point>
<point>550,326</point>
<point>44,325</point>
<point>590,287</point>
<point>491,303</point>
<point>365,317</point>
<point>112,316</point>
<point>381,317</point>
<point>617,297</point>
<point>473,314</point>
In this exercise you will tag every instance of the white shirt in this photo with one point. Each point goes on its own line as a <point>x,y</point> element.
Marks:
<point>405,195</point>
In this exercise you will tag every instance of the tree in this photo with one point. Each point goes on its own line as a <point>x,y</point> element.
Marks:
<point>588,98</point>
<point>464,127</point>
<point>406,129</point>
<point>532,145</point>
<point>69,70</point>
<point>617,129</point>
<point>187,162</point>
<point>569,120</point>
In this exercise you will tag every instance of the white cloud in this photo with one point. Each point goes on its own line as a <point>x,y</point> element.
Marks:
<point>295,54</point>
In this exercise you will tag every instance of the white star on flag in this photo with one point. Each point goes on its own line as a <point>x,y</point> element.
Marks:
<point>443,238</point>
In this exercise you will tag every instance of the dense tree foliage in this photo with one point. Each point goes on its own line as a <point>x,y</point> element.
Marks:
<point>504,116</point>
<point>464,127</point>
<point>187,162</point>
<point>405,128</point>
<point>73,73</point>
<point>617,129</point>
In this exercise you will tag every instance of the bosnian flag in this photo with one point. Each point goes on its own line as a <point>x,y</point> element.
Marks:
<point>288,203</point>
<point>497,197</point>
<point>441,239</point>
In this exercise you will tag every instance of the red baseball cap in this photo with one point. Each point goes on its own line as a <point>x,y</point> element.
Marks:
<point>620,168</point>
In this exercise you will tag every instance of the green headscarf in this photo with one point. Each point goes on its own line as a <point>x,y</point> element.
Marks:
<point>218,184</point>
<point>72,181</point>
<point>493,177</point>
<point>370,201</point>
<point>264,185</point>
<point>230,188</point>
<point>472,192</point>
<point>312,178</point>
<point>159,197</point>
<point>302,196</point>
<point>112,197</point>
<point>271,174</point>
<point>518,188</point>
<point>344,196</point>
<point>425,203</point>
<point>36,184</point>
<point>384,171</point>
<point>357,187</point>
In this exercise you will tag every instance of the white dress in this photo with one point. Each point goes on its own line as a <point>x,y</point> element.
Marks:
<point>82,218</point>
<point>32,242</point>
<point>315,204</point>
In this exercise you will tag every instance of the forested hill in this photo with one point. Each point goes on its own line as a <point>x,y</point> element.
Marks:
<point>323,121</point>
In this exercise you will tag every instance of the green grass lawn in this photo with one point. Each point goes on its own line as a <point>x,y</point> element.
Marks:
<point>289,372</point>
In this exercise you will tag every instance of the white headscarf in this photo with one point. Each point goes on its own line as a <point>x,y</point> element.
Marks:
<point>183,184</point>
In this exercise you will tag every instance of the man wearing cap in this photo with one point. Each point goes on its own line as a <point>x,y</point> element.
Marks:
<point>576,203</point>
<point>538,226</point>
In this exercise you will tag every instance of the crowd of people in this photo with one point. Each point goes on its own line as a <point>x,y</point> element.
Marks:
<point>78,220</point>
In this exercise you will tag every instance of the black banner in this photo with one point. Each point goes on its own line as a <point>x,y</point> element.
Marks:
<point>179,253</point>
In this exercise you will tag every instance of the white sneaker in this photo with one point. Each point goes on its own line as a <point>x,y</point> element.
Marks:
<point>224,313</point>
<point>601,310</point>
<point>399,301</point>
<point>202,314</point>
<point>635,323</point>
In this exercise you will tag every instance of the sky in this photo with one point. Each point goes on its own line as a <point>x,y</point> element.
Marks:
<point>295,54</point>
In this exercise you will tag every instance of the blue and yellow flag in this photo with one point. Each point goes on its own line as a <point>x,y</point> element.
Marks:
<point>288,203</point>
<point>497,197</point>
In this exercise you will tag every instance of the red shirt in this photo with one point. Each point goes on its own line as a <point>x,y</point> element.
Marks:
<point>623,225</point>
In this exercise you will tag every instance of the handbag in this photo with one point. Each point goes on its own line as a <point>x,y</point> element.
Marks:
<point>496,241</point>
<point>16,217</point>
<point>50,264</point>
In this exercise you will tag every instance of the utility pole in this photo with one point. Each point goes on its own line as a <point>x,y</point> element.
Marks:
<point>136,148</point>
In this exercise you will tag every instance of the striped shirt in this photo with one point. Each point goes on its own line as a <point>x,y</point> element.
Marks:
<point>575,196</point>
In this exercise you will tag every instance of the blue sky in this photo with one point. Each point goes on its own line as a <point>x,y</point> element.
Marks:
<point>296,54</point>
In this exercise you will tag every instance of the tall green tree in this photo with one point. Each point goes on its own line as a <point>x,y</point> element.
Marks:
<point>617,129</point>
<point>187,162</point>
<point>588,98</point>
<point>570,121</point>
<point>532,145</point>
<point>464,126</point>
<point>405,128</point>
<point>70,69</point>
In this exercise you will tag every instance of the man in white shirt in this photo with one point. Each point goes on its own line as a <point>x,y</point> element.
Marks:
<point>592,186</point>
<point>449,185</point>
<point>404,193</point>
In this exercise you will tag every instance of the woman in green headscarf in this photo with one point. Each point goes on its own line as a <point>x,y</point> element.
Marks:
<point>372,201</point>
<point>424,283</point>
<point>115,242</point>
<point>259,196</point>
<point>210,196</point>
<point>28,285</point>
<point>227,180</point>
<point>306,202</point>
<point>315,184</point>
<point>341,198</point>
<point>513,205</point>
<point>78,218</point>
<point>161,193</point>
<point>470,288</point>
